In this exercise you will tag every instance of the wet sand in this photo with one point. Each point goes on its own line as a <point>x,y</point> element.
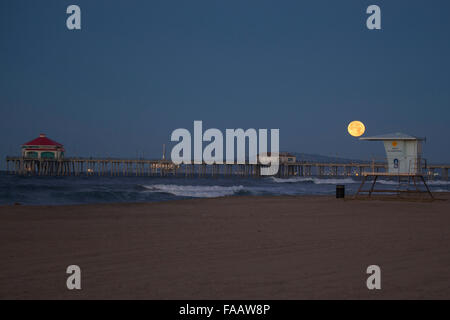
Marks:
<point>228,248</point>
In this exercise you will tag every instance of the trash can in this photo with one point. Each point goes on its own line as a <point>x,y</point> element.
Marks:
<point>340,191</point>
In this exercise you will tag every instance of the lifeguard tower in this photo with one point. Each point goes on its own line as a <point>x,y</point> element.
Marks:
<point>404,161</point>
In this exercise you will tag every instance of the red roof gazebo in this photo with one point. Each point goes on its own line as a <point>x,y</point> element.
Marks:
<point>43,148</point>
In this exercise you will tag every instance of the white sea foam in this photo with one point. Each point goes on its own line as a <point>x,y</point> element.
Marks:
<point>313,180</point>
<point>194,191</point>
<point>316,180</point>
<point>390,182</point>
<point>419,182</point>
<point>438,183</point>
<point>440,190</point>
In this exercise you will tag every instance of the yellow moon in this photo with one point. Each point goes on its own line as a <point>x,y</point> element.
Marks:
<point>356,128</point>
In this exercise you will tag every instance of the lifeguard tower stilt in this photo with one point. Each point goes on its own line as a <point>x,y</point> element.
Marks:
<point>404,156</point>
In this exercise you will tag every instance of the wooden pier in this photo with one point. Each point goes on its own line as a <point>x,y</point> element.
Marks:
<point>142,167</point>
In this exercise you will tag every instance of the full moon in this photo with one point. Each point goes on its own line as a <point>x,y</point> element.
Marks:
<point>356,128</point>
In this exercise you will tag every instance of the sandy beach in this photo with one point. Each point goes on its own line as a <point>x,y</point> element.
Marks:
<point>305,247</point>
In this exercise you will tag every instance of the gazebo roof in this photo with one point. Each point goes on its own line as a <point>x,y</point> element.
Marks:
<point>393,136</point>
<point>42,140</point>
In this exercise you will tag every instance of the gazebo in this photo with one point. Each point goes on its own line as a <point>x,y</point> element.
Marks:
<point>42,148</point>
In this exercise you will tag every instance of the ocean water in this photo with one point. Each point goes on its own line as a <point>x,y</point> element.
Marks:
<point>82,190</point>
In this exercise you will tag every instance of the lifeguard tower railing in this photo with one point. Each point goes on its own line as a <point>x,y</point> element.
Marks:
<point>402,182</point>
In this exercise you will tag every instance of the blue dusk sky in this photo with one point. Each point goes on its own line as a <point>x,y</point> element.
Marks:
<point>137,70</point>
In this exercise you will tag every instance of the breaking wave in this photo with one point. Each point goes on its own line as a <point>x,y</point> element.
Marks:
<point>196,191</point>
<point>316,180</point>
<point>313,180</point>
<point>389,182</point>
<point>419,182</point>
<point>438,183</point>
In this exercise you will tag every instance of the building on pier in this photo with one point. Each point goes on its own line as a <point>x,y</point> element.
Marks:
<point>283,157</point>
<point>42,148</point>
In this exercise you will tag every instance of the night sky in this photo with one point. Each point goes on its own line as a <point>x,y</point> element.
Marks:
<point>140,69</point>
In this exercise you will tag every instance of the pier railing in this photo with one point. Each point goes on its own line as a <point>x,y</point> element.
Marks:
<point>144,167</point>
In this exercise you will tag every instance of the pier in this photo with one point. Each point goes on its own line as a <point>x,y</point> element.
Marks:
<point>142,167</point>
